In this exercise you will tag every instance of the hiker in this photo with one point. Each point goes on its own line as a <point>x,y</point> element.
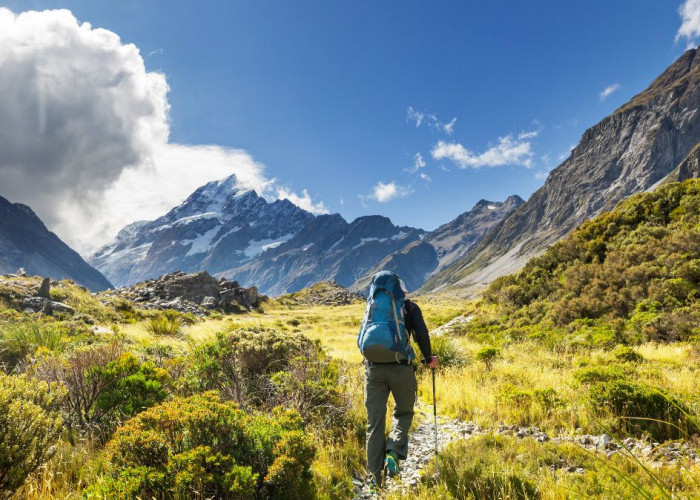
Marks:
<point>385,343</point>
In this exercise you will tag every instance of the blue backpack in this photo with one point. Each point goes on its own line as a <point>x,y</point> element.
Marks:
<point>383,337</point>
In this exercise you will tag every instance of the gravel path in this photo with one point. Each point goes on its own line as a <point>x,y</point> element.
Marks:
<point>422,447</point>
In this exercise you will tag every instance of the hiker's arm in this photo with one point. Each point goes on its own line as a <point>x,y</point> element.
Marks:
<point>416,325</point>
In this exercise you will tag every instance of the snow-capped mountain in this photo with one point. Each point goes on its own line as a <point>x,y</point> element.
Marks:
<point>327,248</point>
<point>217,228</point>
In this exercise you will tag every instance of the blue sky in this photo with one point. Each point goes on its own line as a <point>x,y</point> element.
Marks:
<point>337,97</point>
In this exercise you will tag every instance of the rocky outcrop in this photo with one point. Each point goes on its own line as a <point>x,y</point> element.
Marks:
<point>628,152</point>
<point>326,293</point>
<point>26,243</point>
<point>195,293</point>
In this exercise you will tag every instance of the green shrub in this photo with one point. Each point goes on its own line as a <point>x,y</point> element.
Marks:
<point>487,355</point>
<point>641,409</point>
<point>627,354</point>
<point>20,340</point>
<point>164,324</point>
<point>448,350</point>
<point>29,428</point>
<point>266,368</point>
<point>104,385</point>
<point>599,373</point>
<point>202,447</point>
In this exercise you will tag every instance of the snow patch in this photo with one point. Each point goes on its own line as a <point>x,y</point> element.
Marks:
<point>491,207</point>
<point>256,247</point>
<point>202,243</point>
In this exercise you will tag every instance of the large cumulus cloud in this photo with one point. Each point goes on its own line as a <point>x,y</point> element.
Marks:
<point>84,131</point>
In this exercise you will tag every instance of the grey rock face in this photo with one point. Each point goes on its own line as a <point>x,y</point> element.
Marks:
<point>26,243</point>
<point>627,152</point>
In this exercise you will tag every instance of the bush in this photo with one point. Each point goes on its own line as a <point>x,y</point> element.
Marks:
<point>20,340</point>
<point>641,409</point>
<point>487,355</point>
<point>104,385</point>
<point>448,350</point>
<point>627,354</point>
<point>29,428</point>
<point>165,323</point>
<point>204,448</point>
<point>267,367</point>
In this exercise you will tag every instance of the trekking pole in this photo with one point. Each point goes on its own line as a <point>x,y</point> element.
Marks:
<point>437,471</point>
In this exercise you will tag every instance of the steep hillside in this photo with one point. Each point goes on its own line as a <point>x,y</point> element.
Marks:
<point>628,152</point>
<point>629,275</point>
<point>440,248</point>
<point>26,242</point>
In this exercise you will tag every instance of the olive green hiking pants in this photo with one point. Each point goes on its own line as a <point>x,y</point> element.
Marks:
<point>380,380</point>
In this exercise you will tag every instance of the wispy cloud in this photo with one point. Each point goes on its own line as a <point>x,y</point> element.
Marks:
<point>431,120</point>
<point>509,151</point>
<point>414,116</point>
<point>418,163</point>
<point>449,127</point>
<point>425,177</point>
<point>303,201</point>
<point>608,91</point>
<point>156,52</point>
<point>690,22</point>
<point>385,192</point>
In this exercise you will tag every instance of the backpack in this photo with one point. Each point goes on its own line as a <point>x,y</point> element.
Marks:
<point>383,337</point>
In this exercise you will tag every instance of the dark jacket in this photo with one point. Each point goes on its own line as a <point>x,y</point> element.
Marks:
<point>415,325</point>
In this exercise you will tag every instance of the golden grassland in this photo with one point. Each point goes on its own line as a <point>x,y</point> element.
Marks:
<point>507,390</point>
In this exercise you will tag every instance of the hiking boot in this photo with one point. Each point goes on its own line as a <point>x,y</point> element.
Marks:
<point>373,488</point>
<point>391,464</point>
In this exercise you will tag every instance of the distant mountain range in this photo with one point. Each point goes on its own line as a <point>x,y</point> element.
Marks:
<point>281,248</point>
<point>630,151</point>
<point>26,243</point>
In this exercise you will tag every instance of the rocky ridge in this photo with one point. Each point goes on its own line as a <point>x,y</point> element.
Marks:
<point>628,152</point>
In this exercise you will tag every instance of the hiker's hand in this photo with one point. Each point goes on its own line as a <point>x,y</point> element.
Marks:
<point>433,362</point>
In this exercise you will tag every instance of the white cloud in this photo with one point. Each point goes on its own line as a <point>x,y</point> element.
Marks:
<point>88,147</point>
<point>425,177</point>
<point>384,193</point>
<point>542,175</point>
<point>690,22</point>
<point>607,91</point>
<point>414,116</point>
<point>304,201</point>
<point>418,163</point>
<point>449,128</point>
<point>508,151</point>
<point>431,119</point>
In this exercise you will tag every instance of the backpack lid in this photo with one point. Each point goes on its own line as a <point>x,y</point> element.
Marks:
<point>389,281</point>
